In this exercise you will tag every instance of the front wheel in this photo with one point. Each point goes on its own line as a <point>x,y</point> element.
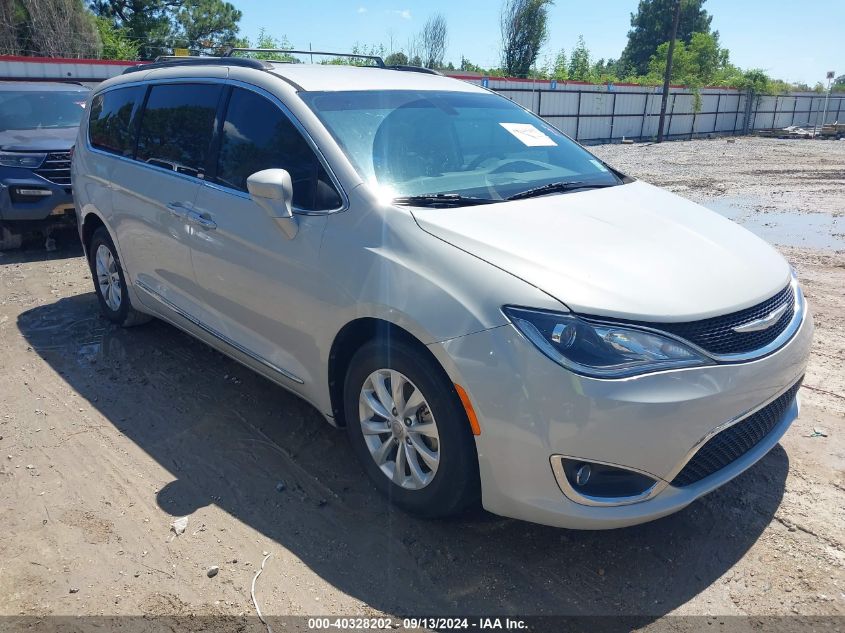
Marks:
<point>409,430</point>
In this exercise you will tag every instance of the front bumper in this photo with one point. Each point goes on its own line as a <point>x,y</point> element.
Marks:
<point>56,205</point>
<point>531,409</point>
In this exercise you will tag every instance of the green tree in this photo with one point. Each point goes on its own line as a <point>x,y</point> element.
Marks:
<point>524,27</point>
<point>433,40</point>
<point>396,59</point>
<point>579,61</point>
<point>651,26</point>
<point>49,28</point>
<point>560,70</point>
<point>147,22</point>
<point>265,40</point>
<point>373,50</point>
<point>116,42</point>
<point>207,26</point>
<point>604,71</point>
<point>468,66</point>
<point>159,25</point>
<point>702,62</point>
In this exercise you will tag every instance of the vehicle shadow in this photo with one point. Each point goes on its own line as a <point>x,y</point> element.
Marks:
<point>228,437</point>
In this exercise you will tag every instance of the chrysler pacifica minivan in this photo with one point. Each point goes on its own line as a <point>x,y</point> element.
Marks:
<point>491,312</point>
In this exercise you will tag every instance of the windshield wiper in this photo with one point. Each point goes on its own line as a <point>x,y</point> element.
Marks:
<point>441,200</point>
<point>559,187</point>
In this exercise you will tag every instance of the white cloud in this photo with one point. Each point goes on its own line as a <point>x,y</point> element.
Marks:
<point>362,9</point>
<point>405,14</point>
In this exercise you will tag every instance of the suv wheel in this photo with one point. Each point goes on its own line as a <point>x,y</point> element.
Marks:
<point>109,282</point>
<point>9,240</point>
<point>409,430</point>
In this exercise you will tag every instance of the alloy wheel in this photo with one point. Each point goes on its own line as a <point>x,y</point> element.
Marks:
<point>108,277</point>
<point>399,429</point>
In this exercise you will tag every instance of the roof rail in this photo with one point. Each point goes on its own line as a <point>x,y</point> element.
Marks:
<point>374,58</point>
<point>413,69</point>
<point>170,61</point>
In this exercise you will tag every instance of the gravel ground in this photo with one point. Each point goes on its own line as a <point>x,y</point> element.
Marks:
<point>108,435</point>
<point>768,174</point>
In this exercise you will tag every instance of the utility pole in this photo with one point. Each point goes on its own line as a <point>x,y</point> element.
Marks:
<point>830,75</point>
<point>668,76</point>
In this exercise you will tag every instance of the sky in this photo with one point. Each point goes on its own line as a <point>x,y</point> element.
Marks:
<point>790,40</point>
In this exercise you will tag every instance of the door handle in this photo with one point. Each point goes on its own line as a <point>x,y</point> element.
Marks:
<point>201,220</point>
<point>177,209</point>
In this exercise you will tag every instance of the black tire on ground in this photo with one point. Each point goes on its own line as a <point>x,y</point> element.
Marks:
<point>455,486</point>
<point>9,239</point>
<point>125,315</point>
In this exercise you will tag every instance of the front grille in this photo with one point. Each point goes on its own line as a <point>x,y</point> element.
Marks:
<point>716,335</point>
<point>56,168</point>
<point>735,441</point>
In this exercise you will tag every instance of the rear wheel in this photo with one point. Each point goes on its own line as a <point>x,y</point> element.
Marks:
<point>110,283</point>
<point>409,430</point>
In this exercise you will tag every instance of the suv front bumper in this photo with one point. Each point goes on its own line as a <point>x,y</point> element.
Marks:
<point>57,205</point>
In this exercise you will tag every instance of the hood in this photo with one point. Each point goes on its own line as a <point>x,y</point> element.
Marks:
<point>632,251</point>
<point>52,139</point>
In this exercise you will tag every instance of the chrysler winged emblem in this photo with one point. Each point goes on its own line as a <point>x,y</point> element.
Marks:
<point>762,324</point>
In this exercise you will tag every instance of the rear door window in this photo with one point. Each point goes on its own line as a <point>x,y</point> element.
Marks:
<point>257,135</point>
<point>177,126</point>
<point>113,120</point>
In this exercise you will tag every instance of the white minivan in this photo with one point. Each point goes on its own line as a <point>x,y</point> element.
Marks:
<point>490,311</point>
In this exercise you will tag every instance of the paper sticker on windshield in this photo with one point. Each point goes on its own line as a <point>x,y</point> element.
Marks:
<point>598,164</point>
<point>528,134</point>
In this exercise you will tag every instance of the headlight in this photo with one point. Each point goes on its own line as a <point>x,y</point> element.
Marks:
<point>21,159</point>
<point>601,350</point>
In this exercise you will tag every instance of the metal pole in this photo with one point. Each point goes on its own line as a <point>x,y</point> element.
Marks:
<point>645,112</point>
<point>612,116</point>
<point>826,99</point>
<point>716,121</point>
<point>667,77</point>
<point>736,113</point>
<point>671,112</point>
<point>578,115</point>
<point>692,129</point>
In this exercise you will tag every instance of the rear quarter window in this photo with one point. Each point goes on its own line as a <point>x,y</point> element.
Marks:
<point>113,120</point>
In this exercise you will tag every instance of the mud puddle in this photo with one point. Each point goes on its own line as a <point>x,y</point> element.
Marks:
<point>784,228</point>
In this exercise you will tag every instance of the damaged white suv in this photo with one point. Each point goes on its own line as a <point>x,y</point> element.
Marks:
<point>492,312</point>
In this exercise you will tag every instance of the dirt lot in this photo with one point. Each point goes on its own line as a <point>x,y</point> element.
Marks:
<point>108,435</point>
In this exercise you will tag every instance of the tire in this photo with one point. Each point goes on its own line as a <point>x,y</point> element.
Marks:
<point>112,295</point>
<point>453,485</point>
<point>9,240</point>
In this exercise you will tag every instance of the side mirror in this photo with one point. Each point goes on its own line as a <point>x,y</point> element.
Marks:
<point>271,189</point>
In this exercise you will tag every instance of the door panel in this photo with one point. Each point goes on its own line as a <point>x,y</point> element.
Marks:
<point>259,288</point>
<point>152,230</point>
<point>256,287</point>
<point>154,194</point>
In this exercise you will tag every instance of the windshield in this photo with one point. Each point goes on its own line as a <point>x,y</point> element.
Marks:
<point>413,143</point>
<point>30,110</point>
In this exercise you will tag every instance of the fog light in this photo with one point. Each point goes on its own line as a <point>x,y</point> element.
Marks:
<point>594,481</point>
<point>32,192</point>
<point>582,474</point>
